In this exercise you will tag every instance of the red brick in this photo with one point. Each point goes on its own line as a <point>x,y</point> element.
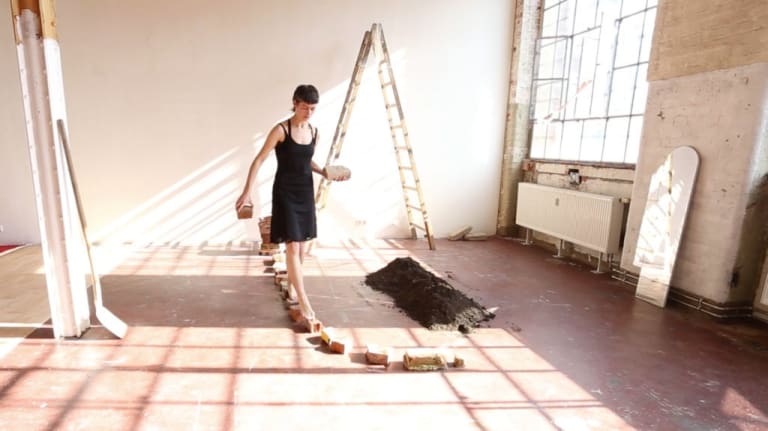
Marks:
<point>339,346</point>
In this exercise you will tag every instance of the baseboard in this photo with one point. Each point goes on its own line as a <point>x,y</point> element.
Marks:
<point>727,310</point>
<point>760,315</point>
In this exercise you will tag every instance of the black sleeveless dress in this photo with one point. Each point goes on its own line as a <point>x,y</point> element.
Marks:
<point>293,197</point>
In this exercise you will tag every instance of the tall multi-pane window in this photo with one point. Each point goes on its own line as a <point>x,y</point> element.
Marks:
<point>590,79</point>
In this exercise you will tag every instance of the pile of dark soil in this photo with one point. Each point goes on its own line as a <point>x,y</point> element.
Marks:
<point>426,298</point>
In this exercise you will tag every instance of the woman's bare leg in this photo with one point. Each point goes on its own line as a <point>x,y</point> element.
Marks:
<point>293,260</point>
<point>306,246</point>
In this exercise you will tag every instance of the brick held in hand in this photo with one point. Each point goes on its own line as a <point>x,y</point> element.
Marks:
<point>337,172</point>
<point>245,212</point>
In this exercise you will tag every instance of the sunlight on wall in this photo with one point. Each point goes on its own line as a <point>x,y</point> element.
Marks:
<point>200,207</point>
<point>196,208</point>
<point>371,204</point>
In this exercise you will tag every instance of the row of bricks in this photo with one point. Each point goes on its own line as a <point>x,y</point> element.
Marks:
<point>314,326</point>
<point>374,355</point>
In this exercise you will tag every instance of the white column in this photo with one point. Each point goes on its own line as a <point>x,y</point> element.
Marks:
<point>43,94</point>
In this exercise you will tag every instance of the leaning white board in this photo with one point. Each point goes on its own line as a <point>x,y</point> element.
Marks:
<point>108,319</point>
<point>669,195</point>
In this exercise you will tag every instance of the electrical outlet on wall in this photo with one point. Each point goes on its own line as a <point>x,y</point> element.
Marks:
<point>1,228</point>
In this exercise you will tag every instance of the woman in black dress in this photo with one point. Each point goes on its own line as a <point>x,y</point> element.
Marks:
<point>293,200</point>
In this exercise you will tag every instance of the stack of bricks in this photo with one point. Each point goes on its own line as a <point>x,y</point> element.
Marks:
<point>265,228</point>
<point>312,325</point>
<point>288,294</point>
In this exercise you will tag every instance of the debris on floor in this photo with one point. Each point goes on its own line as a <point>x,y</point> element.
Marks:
<point>426,298</point>
<point>465,233</point>
<point>476,236</point>
<point>459,234</point>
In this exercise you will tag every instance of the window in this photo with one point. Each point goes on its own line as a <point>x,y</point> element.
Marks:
<point>589,87</point>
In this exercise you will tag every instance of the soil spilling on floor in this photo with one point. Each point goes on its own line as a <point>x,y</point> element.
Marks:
<point>426,298</point>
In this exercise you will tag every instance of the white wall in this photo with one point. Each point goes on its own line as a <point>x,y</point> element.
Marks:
<point>17,200</point>
<point>169,101</point>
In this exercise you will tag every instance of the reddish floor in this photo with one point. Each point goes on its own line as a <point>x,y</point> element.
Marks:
<point>7,247</point>
<point>210,347</point>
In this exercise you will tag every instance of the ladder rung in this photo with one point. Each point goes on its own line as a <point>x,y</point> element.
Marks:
<point>411,188</point>
<point>396,126</point>
<point>414,208</point>
<point>390,106</point>
<point>402,148</point>
<point>421,228</point>
<point>386,84</point>
<point>405,168</point>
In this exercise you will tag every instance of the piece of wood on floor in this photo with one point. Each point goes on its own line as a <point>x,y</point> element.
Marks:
<point>460,233</point>
<point>476,236</point>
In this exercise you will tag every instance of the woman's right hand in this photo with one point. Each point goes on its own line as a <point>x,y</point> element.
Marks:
<point>244,198</point>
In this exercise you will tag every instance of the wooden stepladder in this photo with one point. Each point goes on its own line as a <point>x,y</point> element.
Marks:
<point>406,164</point>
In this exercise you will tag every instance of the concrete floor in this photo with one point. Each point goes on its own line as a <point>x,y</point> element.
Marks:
<point>210,347</point>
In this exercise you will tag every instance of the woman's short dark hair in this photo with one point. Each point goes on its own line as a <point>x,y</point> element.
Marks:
<point>306,93</point>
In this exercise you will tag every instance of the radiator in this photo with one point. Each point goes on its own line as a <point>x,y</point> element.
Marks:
<point>587,219</point>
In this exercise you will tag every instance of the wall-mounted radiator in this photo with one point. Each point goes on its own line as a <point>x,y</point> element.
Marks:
<point>587,219</point>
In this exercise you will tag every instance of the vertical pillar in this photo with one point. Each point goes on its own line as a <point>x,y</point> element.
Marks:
<point>43,94</point>
<point>516,136</point>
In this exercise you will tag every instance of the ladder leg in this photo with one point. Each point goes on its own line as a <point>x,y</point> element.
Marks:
<point>374,39</point>
<point>400,138</point>
<point>346,112</point>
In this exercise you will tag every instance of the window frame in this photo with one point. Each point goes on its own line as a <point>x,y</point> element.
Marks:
<point>565,114</point>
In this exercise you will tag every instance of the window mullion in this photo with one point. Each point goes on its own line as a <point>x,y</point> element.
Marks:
<point>614,47</point>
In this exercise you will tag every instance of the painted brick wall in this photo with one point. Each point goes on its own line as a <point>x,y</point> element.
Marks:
<point>719,114</point>
<point>706,35</point>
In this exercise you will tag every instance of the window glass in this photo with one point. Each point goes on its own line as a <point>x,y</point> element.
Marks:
<point>590,87</point>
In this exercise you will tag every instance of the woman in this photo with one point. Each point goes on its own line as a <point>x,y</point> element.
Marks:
<point>293,200</point>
